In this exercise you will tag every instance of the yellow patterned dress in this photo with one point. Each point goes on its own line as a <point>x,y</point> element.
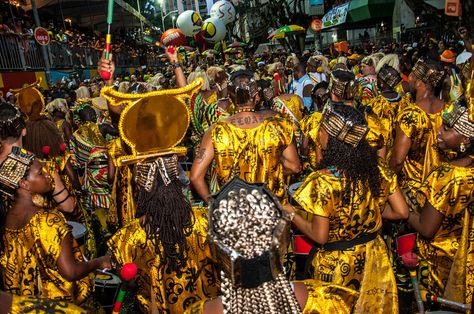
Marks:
<point>253,154</point>
<point>29,263</point>
<point>387,110</point>
<point>360,279</point>
<point>424,155</point>
<point>172,293</point>
<point>449,189</point>
<point>310,128</point>
<point>35,305</point>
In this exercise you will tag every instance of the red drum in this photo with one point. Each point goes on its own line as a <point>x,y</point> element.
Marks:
<point>302,245</point>
<point>406,243</point>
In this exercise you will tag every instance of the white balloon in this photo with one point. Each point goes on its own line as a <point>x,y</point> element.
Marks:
<point>213,30</point>
<point>223,10</point>
<point>189,22</point>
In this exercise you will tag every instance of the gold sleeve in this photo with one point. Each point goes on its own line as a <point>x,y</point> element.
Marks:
<point>377,136</point>
<point>314,195</point>
<point>408,120</point>
<point>53,228</point>
<point>310,127</point>
<point>440,188</point>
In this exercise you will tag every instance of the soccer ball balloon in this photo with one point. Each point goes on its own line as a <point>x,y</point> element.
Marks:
<point>213,30</point>
<point>224,11</point>
<point>189,22</point>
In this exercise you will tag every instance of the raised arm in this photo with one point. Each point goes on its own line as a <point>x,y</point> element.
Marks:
<point>200,165</point>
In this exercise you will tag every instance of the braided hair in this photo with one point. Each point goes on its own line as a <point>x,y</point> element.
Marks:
<point>244,221</point>
<point>12,121</point>
<point>41,133</point>
<point>358,165</point>
<point>168,221</point>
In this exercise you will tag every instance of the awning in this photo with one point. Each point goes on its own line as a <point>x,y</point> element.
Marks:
<point>360,10</point>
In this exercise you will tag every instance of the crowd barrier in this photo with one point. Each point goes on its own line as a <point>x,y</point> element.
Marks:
<point>20,52</point>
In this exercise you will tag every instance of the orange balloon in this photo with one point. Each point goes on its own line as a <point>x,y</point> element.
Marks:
<point>173,37</point>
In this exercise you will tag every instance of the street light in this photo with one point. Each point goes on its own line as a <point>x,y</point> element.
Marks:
<point>173,19</point>
<point>163,17</point>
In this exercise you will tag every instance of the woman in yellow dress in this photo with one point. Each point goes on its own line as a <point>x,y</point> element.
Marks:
<point>255,146</point>
<point>445,222</point>
<point>347,196</point>
<point>415,153</point>
<point>168,238</point>
<point>38,254</point>
<point>167,242</point>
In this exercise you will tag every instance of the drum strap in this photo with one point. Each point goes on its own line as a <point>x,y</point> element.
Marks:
<point>337,246</point>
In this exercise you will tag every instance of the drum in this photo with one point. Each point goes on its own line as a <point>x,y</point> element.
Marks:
<point>107,286</point>
<point>291,191</point>
<point>302,245</point>
<point>79,233</point>
<point>406,243</point>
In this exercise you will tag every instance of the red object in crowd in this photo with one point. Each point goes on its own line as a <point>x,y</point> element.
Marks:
<point>406,244</point>
<point>62,147</point>
<point>105,75</point>
<point>128,271</point>
<point>173,37</point>
<point>46,150</point>
<point>171,50</point>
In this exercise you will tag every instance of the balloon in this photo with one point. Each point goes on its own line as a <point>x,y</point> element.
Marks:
<point>224,11</point>
<point>173,37</point>
<point>213,30</point>
<point>189,22</point>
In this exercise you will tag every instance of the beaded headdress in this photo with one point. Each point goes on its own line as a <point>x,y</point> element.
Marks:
<point>147,171</point>
<point>152,124</point>
<point>426,74</point>
<point>389,76</point>
<point>344,89</point>
<point>236,209</point>
<point>342,129</point>
<point>457,117</point>
<point>30,100</point>
<point>14,169</point>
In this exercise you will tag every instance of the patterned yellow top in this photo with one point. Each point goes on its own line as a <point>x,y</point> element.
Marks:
<point>172,293</point>
<point>377,136</point>
<point>29,304</point>
<point>424,155</point>
<point>29,263</point>
<point>310,128</point>
<point>449,190</point>
<point>360,279</point>
<point>253,154</point>
<point>321,194</point>
<point>387,111</point>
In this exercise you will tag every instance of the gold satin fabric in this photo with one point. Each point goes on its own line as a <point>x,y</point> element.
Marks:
<point>449,189</point>
<point>172,293</point>
<point>424,155</point>
<point>29,263</point>
<point>387,113</point>
<point>377,136</point>
<point>359,279</point>
<point>310,128</point>
<point>253,154</point>
<point>29,304</point>
<point>122,194</point>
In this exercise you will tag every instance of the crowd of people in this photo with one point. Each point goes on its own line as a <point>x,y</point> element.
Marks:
<point>207,173</point>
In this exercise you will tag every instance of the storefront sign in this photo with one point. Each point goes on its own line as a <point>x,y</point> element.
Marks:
<point>316,25</point>
<point>336,15</point>
<point>41,36</point>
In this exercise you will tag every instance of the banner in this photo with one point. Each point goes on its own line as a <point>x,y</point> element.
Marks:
<point>336,15</point>
<point>316,2</point>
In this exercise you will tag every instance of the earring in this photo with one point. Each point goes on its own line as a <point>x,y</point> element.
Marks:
<point>38,200</point>
<point>462,148</point>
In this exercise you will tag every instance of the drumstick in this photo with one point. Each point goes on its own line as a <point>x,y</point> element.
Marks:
<point>410,260</point>
<point>127,273</point>
<point>452,304</point>
<point>108,38</point>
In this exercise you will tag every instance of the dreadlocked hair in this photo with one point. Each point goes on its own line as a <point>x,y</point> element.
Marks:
<point>41,133</point>
<point>12,121</point>
<point>168,221</point>
<point>245,221</point>
<point>358,165</point>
